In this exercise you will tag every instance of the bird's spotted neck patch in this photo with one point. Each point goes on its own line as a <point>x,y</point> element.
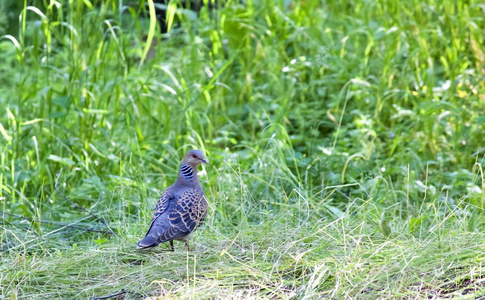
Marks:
<point>187,171</point>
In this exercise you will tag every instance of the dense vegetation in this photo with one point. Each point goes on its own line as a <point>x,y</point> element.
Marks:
<point>346,142</point>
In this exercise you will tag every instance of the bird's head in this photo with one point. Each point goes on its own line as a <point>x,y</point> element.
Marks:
<point>195,158</point>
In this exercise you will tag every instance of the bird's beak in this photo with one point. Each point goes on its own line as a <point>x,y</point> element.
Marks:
<point>204,161</point>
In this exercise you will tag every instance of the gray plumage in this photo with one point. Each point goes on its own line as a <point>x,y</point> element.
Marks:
<point>181,208</point>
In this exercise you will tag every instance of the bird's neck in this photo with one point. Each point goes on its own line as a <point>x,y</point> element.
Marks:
<point>187,173</point>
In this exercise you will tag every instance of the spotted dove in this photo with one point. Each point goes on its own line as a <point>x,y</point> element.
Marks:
<point>181,208</point>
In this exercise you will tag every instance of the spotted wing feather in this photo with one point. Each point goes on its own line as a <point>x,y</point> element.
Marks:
<point>162,205</point>
<point>158,225</point>
<point>175,217</point>
<point>190,211</point>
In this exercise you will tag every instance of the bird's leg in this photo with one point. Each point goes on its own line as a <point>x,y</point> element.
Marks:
<point>187,245</point>
<point>171,246</point>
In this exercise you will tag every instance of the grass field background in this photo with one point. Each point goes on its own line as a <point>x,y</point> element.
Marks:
<point>346,143</point>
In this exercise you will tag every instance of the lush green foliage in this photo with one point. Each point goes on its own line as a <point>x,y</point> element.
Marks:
<point>346,143</point>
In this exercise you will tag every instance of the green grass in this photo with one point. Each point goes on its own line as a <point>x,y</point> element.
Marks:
<point>346,143</point>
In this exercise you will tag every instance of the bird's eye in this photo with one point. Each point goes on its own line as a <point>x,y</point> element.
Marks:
<point>194,156</point>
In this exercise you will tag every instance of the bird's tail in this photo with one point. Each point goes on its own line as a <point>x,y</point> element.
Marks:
<point>147,242</point>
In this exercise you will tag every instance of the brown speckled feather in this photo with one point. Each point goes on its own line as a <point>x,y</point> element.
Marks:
<point>190,211</point>
<point>176,216</point>
<point>162,205</point>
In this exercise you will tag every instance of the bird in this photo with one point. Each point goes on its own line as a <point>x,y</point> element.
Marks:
<point>181,209</point>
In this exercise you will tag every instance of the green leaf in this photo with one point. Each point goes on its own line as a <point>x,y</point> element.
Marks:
<point>415,222</point>
<point>337,212</point>
<point>4,133</point>
<point>385,228</point>
<point>172,8</point>
<point>62,160</point>
<point>151,31</point>
<point>101,241</point>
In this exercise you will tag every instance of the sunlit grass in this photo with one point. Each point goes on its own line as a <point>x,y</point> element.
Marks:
<point>346,144</point>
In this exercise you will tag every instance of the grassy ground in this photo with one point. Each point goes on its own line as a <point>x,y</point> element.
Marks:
<point>346,143</point>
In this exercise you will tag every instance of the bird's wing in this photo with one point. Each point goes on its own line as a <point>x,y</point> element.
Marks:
<point>162,205</point>
<point>176,217</point>
<point>159,224</point>
<point>190,211</point>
